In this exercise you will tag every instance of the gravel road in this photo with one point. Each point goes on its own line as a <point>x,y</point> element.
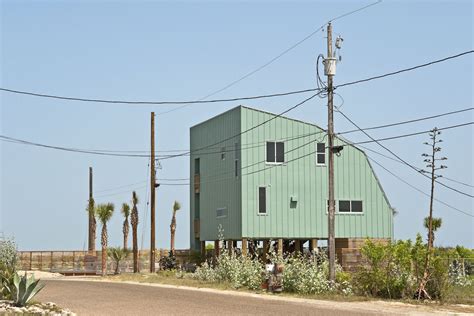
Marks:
<point>110,298</point>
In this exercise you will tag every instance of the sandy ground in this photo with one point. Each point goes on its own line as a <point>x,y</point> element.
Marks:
<point>96,297</point>
<point>42,274</point>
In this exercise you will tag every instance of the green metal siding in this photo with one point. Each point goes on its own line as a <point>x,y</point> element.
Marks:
<point>219,187</point>
<point>354,179</point>
<point>302,178</point>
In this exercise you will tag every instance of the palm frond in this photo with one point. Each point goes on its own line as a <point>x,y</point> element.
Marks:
<point>176,206</point>
<point>125,210</point>
<point>104,212</point>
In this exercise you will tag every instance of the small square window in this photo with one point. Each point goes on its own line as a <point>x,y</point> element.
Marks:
<point>356,206</point>
<point>344,206</point>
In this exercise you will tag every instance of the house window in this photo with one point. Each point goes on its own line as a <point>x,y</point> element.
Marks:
<point>223,153</point>
<point>350,206</point>
<point>275,152</point>
<point>320,153</point>
<point>221,212</point>
<point>262,200</point>
<point>236,159</point>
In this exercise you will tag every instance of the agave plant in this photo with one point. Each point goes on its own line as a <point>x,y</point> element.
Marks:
<point>117,254</point>
<point>25,289</point>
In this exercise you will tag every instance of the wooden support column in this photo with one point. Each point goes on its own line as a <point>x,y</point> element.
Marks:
<point>280,246</point>
<point>203,248</point>
<point>244,247</point>
<point>313,245</point>
<point>265,251</point>
<point>298,245</point>
<point>230,246</point>
<point>216,248</point>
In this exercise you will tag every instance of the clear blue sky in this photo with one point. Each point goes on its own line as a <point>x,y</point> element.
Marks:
<point>166,50</point>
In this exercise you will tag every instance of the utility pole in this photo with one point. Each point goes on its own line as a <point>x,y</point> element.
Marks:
<point>92,222</point>
<point>152,197</point>
<point>330,70</point>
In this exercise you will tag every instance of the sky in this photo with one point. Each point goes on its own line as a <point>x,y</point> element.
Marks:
<point>152,50</point>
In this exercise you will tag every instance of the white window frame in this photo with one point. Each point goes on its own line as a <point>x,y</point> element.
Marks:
<point>266,200</point>
<point>284,154</point>
<point>320,153</point>
<point>336,207</point>
<point>350,207</point>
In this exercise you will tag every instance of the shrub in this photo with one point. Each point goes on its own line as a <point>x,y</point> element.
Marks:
<point>238,271</point>
<point>8,254</point>
<point>168,262</point>
<point>395,270</point>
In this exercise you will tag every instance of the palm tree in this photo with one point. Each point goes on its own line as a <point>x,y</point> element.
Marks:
<point>134,222</point>
<point>126,226</point>
<point>176,207</point>
<point>104,213</point>
<point>117,254</point>
<point>435,225</point>
<point>92,225</point>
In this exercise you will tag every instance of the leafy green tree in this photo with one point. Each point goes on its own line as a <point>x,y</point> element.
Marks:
<point>104,213</point>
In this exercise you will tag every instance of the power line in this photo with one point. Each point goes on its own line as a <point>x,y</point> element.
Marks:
<point>271,61</point>
<point>396,160</point>
<point>245,146</point>
<point>410,134</point>
<point>402,160</point>
<point>66,98</point>
<point>407,121</point>
<point>415,188</point>
<point>247,130</point>
<point>405,69</point>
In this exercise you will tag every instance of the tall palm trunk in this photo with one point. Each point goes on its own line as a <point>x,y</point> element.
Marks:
<point>134,222</point>
<point>104,249</point>
<point>125,229</point>
<point>92,225</point>
<point>173,231</point>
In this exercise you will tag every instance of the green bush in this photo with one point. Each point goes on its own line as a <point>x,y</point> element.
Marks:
<point>395,270</point>
<point>8,254</point>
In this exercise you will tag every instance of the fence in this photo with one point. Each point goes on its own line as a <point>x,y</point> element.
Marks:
<point>74,262</point>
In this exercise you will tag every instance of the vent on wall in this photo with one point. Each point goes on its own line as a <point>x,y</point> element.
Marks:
<point>221,212</point>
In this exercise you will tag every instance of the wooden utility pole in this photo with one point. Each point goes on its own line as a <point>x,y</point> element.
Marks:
<point>92,222</point>
<point>152,197</point>
<point>330,64</point>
